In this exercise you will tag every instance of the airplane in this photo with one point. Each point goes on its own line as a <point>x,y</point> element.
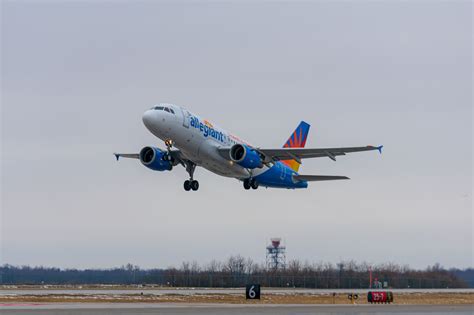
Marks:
<point>192,141</point>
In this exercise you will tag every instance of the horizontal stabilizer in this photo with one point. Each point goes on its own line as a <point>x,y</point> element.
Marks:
<point>317,178</point>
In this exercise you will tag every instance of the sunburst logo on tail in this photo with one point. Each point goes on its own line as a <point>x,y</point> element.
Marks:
<point>297,140</point>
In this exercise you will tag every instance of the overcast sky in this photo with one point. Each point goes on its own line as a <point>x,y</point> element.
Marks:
<point>77,77</point>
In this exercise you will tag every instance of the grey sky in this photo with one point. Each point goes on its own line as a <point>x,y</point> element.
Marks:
<point>77,76</point>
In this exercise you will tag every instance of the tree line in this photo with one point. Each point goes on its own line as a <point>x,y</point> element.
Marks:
<point>237,271</point>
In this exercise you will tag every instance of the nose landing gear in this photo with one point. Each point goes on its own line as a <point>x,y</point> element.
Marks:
<point>167,156</point>
<point>169,143</point>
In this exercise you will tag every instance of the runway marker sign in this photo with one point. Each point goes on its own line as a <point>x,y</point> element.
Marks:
<point>252,292</point>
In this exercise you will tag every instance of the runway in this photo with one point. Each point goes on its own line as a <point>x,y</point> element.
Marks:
<point>172,309</point>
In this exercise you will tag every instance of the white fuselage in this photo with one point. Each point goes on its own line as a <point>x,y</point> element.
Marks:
<point>197,139</point>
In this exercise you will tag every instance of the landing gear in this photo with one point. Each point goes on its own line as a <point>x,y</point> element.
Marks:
<point>254,184</point>
<point>191,184</point>
<point>246,184</point>
<point>187,185</point>
<point>169,143</point>
<point>167,156</point>
<point>250,183</point>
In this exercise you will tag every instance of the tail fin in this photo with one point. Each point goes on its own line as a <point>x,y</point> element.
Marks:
<point>297,140</point>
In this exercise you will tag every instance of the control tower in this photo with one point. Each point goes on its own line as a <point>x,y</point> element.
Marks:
<point>276,255</point>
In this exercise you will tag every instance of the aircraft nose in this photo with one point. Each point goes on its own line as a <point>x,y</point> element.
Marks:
<point>148,118</point>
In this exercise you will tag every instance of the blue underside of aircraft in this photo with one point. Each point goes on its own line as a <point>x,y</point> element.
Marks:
<point>279,176</point>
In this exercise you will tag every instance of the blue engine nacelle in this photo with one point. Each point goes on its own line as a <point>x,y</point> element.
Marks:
<point>245,156</point>
<point>154,159</point>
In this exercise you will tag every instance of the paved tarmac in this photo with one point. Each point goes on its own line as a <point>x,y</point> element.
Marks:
<point>231,309</point>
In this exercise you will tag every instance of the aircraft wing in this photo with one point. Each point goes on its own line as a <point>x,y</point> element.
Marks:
<point>317,178</point>
<point>303,153</point>
<point>176,154</point>
<point>126,155</point>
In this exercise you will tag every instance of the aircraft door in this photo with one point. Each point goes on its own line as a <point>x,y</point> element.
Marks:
<point>186,116</point>
<point>283,171</point>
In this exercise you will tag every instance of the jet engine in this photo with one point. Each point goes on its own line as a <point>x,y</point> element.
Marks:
<point>155,159</point>
<point>245,156</point>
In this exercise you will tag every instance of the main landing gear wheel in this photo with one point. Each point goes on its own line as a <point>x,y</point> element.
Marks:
<point>254,184</point>
<point>250,183</point>
<point>246,184</point>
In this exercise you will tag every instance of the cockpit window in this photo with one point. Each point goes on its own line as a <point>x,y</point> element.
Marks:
<point>167,109</point>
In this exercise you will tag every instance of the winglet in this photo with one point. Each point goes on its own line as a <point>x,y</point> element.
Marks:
<point>117,156</point>
<point>380,149</point>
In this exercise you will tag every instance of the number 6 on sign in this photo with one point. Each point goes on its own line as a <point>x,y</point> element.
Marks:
<point>252,292</point>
